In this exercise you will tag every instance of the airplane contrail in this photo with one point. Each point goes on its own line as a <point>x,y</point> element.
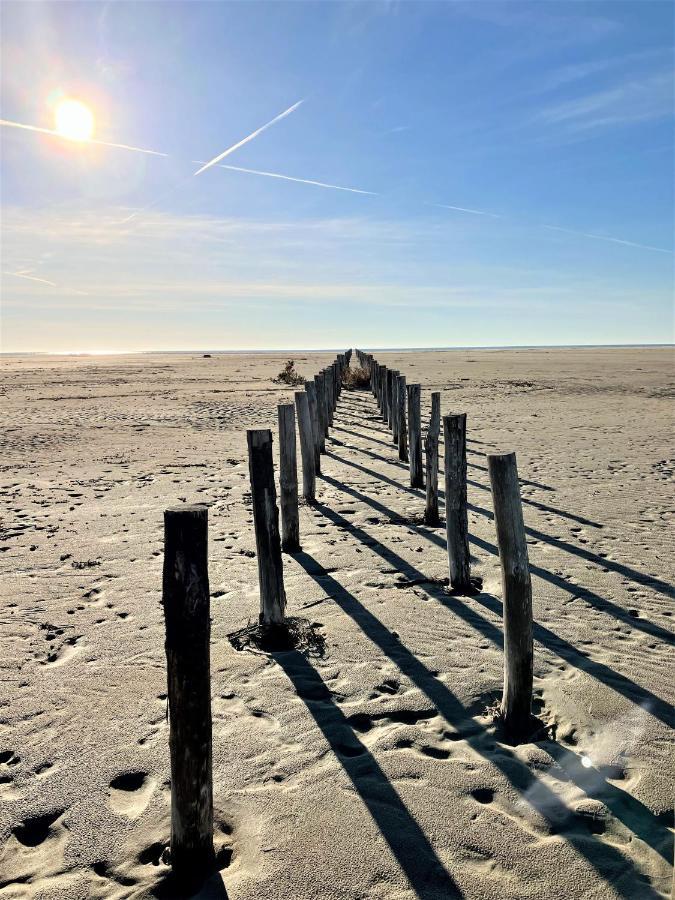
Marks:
<point>254,134</point>
<point>335,187</point>
<point>30,278</point>
<point>7,124</point>
<point>586,234</point>
<point>474,212</point>
<point>604,237</point>
<point>43,281</point>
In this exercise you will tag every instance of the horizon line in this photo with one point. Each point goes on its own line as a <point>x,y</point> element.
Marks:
<point>391,349</point>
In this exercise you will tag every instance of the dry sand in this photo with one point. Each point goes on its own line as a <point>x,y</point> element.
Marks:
<point>372,772</point>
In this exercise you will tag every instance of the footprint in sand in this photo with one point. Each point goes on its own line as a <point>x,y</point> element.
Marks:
<point>130,793</point>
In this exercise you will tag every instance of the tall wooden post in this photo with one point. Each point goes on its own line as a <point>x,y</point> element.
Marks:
<point>400,415</point>
<point>390,394</point>
<point>319,381</point>
<point>431,453</point>
<point>395,414</point>
<point>383,392</point>
<point>306,446</point>
<point>330,384</point>
<point>185,597</point>
<point>288,479</point>
<point>310,389</point>
<point>456,515</point>
<point>266,523</point>
<point>517,590</point>
<point>415,426</point>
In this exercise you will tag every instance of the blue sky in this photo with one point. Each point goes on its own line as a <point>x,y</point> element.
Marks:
<point>549,124</point>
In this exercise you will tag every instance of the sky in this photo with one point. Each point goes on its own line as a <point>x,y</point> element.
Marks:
<point>509,166</point>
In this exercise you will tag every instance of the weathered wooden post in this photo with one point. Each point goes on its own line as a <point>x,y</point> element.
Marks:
<point>266,523</point>
<point>394,407</point>
<point>431,453</point>
<point>306,446</point>
<point>415,427</point>
<point>310,389</point>
<point>288,479</point>
<point>383,392</point>
<point>516,707</point>
<point>400,416</point>
<point>330,384</point>
<point>185,597</point>
<point>319,381</point>
<point>390,396</point>
<point>456,514</point>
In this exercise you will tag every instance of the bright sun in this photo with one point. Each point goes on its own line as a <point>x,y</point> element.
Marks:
<point>74,120</point>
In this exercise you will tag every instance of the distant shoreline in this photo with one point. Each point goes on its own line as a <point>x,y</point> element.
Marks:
<point>77,353</point>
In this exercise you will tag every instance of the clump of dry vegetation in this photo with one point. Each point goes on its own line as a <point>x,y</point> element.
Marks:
<point>356,379</point>
<point>289,375</point>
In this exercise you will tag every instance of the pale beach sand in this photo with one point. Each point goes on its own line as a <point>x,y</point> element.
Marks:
<point>372,772</point>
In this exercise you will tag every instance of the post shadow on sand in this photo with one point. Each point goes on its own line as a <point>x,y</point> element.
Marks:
<point>483,487</point>
<point>634,575</point>
<point>594,599</point>
<point>611,865</point>
<point>640,578</point>
<point>407,841</point>
<point>620,683</point>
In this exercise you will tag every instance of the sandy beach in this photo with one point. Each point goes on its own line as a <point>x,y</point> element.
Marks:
<point>371,771</point>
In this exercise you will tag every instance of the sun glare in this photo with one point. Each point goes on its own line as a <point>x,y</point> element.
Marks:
<point>74,120</point>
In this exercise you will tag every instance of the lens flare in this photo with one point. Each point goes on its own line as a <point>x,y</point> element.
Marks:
<point>74,120</point>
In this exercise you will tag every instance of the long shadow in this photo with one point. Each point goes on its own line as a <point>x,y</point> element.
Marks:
<point>599,602</point>
<point>415,855</point>
<point>604,858</point>
<point>396,462</point>
<point>633,692</point>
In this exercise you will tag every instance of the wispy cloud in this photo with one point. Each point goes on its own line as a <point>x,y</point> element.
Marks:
<point>5,123</point>
<point>250,137</point>
<point>323,184</point>
<point>637,100</point>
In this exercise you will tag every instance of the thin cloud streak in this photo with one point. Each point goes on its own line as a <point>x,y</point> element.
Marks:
<point>29,278</point>
<point>586,234</point>
<point>474,212</point>
<point>602,237</point>
<point>46,281</point>
<point>8,124</point>
<point>250,137</point>
<point>323,184</point>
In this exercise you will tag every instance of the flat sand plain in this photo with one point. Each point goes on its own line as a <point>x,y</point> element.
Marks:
<point>373,771</point>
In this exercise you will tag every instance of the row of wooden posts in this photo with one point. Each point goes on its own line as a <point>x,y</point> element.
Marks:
<point>186,601</point>
<point>186,586</point>
<point>391,391</point>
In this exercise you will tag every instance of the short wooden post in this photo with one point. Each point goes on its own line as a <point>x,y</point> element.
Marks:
<point>306,446</point>
<point>400,415</point>
<point>288,479</point>
<point>415,427</point>
<point>517,590</point>
<point>431,516</point>
<point>185,597</point>
<point>319,381</point>
<point>266,523</point>
<point>456,515</point>
<point>310,389</point>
